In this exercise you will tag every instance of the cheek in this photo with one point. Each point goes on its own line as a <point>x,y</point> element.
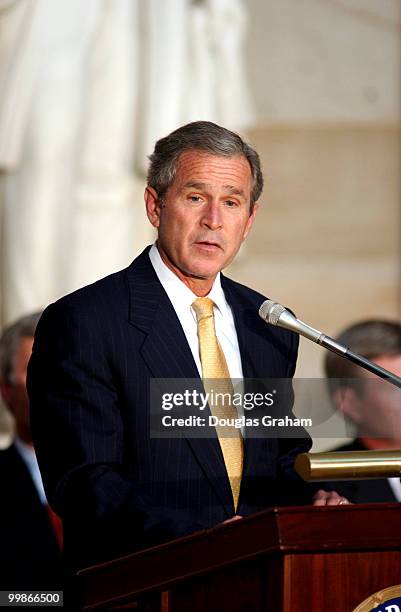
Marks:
<point>239,233</point>
<point>184,230</point>
<point>377,414</point>
<point>176,221</point>
<point>175,234</point>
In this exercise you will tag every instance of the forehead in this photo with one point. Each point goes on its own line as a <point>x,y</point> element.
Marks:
<point>390,362</point>
<point>216,170</point>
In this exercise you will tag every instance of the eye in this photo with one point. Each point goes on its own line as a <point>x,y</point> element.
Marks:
<point>231,203</point>
<point>194,199</point>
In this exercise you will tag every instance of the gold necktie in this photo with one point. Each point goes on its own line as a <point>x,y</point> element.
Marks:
<point>216,378</point>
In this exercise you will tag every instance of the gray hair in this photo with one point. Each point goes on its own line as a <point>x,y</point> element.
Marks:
<point>200,136</point>
<point>371,338</point>
<point>9,342</point>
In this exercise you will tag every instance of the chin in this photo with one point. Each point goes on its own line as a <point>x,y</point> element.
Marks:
<point>204,269</point>
<point>204,274</point>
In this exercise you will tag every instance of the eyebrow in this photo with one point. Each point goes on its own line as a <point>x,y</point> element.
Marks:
<point>204,186</point>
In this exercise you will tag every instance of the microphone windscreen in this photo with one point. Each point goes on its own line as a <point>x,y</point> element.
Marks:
<point>271,311</point>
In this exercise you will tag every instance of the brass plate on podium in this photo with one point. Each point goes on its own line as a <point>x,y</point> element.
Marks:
<point>382,598</point>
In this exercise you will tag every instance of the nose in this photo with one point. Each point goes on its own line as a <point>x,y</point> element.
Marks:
<point>212,216</point>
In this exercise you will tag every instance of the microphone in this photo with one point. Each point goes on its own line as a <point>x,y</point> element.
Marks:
<point>275,314</point>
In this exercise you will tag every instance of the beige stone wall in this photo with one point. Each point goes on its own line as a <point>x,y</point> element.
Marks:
<point>327,237</point>
<point>325,60</point>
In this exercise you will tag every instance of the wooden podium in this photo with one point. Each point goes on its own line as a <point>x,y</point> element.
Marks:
<point>296,559</point>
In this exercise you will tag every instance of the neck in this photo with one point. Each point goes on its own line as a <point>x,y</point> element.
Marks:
<point>381,443</point>
<point>200,287</point>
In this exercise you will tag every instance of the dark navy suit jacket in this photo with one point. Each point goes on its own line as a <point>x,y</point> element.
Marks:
<point>116,488</point>
<point>31,559</point>
<point>363,491</point>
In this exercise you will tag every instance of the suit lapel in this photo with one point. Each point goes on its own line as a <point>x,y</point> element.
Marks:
<point>251,345</point>
<point>167,354</point>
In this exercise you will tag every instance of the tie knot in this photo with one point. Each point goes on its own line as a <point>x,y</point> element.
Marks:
<point>203,308</point>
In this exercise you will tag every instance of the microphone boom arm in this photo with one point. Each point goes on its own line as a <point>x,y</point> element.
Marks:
<point>276,314</point>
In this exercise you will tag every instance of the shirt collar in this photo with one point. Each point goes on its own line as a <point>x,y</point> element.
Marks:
<point>27,452</point>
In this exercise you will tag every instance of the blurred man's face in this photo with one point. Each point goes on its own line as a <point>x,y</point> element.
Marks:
<point>377,409</point>
<point>15,394</point>
<point>205,215</point>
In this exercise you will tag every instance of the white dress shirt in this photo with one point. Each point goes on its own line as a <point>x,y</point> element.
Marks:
<point>395,484</point>
<point>29,458</point>
<point>182,298</point>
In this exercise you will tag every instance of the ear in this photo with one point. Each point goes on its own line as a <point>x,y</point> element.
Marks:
<point>152,203</point>
<point>250,221</point>
<point>348,402</point>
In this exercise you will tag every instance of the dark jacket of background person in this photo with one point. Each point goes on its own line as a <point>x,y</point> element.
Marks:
<point>30,554</point>
<point>29,549</point>
<point>363,491</point>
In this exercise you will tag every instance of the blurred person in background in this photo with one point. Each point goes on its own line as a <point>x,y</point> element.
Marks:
<point>371,404</point>
<point>30,533</point>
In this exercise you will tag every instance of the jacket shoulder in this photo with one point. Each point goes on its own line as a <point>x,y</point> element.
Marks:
<point>246,302</point>
<point>254,298</point>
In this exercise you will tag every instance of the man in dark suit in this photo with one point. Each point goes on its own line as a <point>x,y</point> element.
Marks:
<point>97,350</point>
<point>28,539</point>
<point>371,404</point>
